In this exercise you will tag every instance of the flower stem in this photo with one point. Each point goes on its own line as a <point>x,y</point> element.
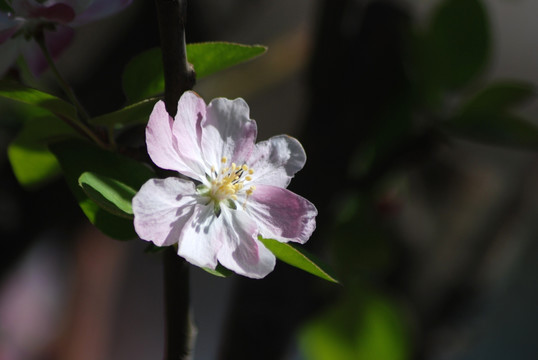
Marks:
<point>179,75</point>
<point>178,78</point>
<point>83,115</point>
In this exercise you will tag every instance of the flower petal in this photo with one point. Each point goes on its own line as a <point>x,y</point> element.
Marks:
<point>187,130</point>
<point>241,251</point>
<point>100,9</point>
<point>276,160</point>
<point>227,131</point>
<point>281,214</point>
<point>161,209</point>
<point>201,237</point>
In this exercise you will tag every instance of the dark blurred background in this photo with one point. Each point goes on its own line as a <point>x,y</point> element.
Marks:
<point>427,211</point>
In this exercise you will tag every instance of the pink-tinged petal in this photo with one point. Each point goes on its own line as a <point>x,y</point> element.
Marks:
<point>161,209</point>
<point>187,130</point>
<point>227,131</point>
<point>276,160</point>
<point>281,214</point>
<point>201,237</point>
<point>241,252</point>
<point>57,41</point>
<point>100,9</point>
<point>59,13</point>
<point>161,143</point>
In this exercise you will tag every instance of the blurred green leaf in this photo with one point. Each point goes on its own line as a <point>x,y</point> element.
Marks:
<point>143,76</point>
<point>495,128</point>
<point>499,96</point>
<point>21,93</point>
<point>130,115</point>
<point>459,37</point>
<point>300,258</point>
<point>76,157</point>
<point>369,327</point>
<point>4,7</point>
<point>110,194</point>
<point>486,117</point>
<point>32,162</point>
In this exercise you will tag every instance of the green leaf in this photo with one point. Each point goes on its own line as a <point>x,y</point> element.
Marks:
<point>143,76</point>
<point>4,7</point>
<point>500,129</point>
<point>486,117</point>
<point>459,38</point>
<point>110,194</point>
<point>300,258</point>
<point>210,57</point>
<point>499,96</point>
<point>32,162</point>
<point>130,115</point>
<point>18,92</point>
<point>76,158</point>
<point>219,271</point>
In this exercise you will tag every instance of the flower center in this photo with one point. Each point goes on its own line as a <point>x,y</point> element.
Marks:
<point>230,181</point>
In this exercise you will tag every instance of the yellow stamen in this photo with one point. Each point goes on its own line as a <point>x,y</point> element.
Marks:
<point>224,159</point>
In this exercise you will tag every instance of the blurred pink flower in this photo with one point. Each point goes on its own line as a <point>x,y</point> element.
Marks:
<point>28,16</point>
<point>241,191</point>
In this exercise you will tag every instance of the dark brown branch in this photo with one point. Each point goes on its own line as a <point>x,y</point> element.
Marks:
<point>178,73</point>
<point>178,78</point>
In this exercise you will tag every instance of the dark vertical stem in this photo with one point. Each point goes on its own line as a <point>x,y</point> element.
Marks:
<point>178,78</point>
<point>178,74</point>
<point>176,302</point>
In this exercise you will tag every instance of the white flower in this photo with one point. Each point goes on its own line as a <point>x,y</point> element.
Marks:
<point>240,189</point>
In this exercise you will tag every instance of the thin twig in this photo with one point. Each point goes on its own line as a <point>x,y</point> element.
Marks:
<point>80,125</point>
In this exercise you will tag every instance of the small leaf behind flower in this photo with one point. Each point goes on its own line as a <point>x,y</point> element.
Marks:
<point>219,271</point>
<point>110,194</point>
<point>300,258</point>
<point>143,76</point>
<point>130,115</point>
<point>76,158</point>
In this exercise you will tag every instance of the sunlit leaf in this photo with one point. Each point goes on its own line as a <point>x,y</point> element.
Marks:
<point>143,76</point>
<point>21,93</point>
<point>110,194</point>
<point>210,57</point>
<point>130,115</point>
<point>76,158</point>
<point>300,258</point>
<point>32,162</point>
